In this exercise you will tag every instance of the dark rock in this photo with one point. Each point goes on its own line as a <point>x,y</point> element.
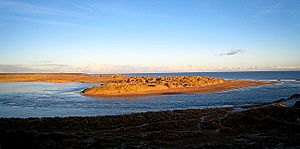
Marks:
<point>297,104</point>
<point>295,96</point>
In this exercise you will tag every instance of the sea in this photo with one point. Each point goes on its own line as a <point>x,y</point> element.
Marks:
<point>40,99</point>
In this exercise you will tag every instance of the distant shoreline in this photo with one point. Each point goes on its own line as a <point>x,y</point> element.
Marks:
<point>57,77</point>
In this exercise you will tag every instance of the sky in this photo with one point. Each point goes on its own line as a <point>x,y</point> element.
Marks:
<point>129,36</point>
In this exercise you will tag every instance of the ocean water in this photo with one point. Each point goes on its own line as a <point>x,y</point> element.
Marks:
<point>39,99</point>
<point>245,75</point>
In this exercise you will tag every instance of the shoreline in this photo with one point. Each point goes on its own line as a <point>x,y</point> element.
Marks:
<point>113,82</point>
<point>270,125</point>
<point>59,77</point>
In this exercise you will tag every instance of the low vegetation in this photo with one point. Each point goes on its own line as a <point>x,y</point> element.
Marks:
<point>260,126</point>
<point>137,85</point>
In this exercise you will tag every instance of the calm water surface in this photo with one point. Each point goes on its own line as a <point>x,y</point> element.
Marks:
<point>38,99</point>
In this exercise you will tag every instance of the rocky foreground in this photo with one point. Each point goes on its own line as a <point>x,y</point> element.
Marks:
<point>134,86</point>
<point>271,125</point>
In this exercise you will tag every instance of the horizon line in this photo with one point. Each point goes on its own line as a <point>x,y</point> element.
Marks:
<point>144,72</point>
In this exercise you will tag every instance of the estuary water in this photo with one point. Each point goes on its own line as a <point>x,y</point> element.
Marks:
<point>39,99</point>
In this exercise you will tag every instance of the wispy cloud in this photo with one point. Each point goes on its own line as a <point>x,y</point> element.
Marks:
<point>150,15</point>
<point>95,7</point>
<point>57,23</point>
<point>50,22</point>
<point>21,7</point>
<point>101,68</point>
<point>232,52</point>
<point>15,68</point>
<point>85,7</point>
<point>37,68</point>
<point>46,61</point>
<point>22,11</point>
<point>269,8</point>
<point>51,65</point>
<point>109,69</point>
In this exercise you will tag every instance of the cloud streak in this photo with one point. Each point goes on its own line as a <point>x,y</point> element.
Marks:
<point>85,9</point>
<point>36,68</point>
<point>95,7</point>
<point>109,69</point>
<point>20,7</point>
<point>232,52</point>
<point>23,11</point>
<point>51,22</point>
<point>269,9</point>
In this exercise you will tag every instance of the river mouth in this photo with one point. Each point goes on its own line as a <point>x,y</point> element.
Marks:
<point>38,99</point>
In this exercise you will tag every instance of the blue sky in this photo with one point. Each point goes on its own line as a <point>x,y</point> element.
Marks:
<point>119,36</point>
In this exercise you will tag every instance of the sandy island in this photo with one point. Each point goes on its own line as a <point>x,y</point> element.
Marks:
<point>138,86</point>
<point>121,85</point>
